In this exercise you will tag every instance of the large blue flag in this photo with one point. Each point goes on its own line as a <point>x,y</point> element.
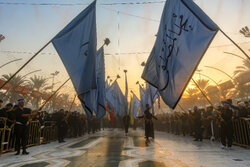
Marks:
<point>184,34</point>
<point>143,99</point>
<point>151,94</point>
<point>136,106</point>
<point>101,90</point>
<point>115,97</point>
<point>76,46</point>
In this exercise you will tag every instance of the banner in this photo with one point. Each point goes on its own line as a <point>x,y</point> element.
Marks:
<point>76,46</point>
<point>184,34</point>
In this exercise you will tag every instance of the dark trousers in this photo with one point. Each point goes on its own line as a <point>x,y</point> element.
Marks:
<point>21,137</point>
<point>62,129</point>
<point>126,128</point>
<point>227,134</point>
<point>198,131</point>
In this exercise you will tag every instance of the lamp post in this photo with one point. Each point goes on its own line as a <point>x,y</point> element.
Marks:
<point>9,62</point>
<point>231,78</point>
<point>53,77</point>
<point>216,83</point>
<point>30,73</point>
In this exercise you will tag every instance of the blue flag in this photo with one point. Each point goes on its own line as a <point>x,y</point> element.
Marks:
<point>115,97</point>
<point>143,100</point>
<point>76,46</point>
<point>184,34</point>
<point>101,90</point>
<point>136,105</point>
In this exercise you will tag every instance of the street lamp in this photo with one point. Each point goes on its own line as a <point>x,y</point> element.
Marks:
<point>30,73</point>
<point>220,71</point>
<point>9,62</point>
<point>235,55</point>
<point>53,77</point>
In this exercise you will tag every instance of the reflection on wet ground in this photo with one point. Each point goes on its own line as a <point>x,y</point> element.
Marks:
<point>108,153</point>
<point>111,148</point>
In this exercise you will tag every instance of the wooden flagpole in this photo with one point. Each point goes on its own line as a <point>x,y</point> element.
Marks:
<point>53,95</point>
<point>235,44</point>
<point>72,103</point>
<point>24,65</point>
<point>202,92</point>
<point>107,41</point>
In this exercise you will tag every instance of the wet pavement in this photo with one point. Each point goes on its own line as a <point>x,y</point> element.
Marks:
<point>110,148</point>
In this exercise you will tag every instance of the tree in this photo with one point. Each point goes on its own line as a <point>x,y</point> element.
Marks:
<point>243,68</point>
<point>11,94</point>
<point>38,83</point>
<point>65,100</point>
<point>242,72</point>
<point>192,96</point>
<point>203,84</point>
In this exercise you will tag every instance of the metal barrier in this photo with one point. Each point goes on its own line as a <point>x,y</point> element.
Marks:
<point>49,132</point>
<point>34,133</point>
<point>242,132</point>
<point>5,135</point>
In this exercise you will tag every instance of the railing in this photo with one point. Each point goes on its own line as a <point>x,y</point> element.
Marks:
<point>34,133</point>
<point>241,128</point>
<point>37,134</point>
<point>242,132</point>
<point>49,132</point>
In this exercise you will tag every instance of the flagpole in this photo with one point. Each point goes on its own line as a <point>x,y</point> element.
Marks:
<point>53,95</point>
<point>181,108</point>
<point>72,103</point>
<point>25,65</point>
<point>235,44</point>
<point>202,92</point>
<point>107,41</point>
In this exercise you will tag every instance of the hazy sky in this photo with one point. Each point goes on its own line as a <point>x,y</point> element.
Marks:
<point>28,27</point>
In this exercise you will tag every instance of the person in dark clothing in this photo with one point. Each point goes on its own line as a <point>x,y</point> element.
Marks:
<point>197,124</point>
<point>60,118</point>
<point>1,103</point>
<point>148,123</point>
<point>10,114</point>
<point>126,120</point>
<point>226,122</point>
<point>21,128</point>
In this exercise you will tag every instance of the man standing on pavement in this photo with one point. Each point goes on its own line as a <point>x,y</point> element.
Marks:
<point>21,128</point>
<point>226,122</point>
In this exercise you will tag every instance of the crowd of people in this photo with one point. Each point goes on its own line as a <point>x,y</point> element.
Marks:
<point>68,124</point>
<point>208,123</point>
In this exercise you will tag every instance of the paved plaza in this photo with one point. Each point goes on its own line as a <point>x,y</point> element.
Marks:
<point>111,148</point>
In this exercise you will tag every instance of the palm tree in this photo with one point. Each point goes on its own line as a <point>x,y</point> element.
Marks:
<point>192,95</point>
<point>241,90</point>
<point>38,83</point>
<point>11,94</point>
<point>65,100</point>
<point>203,84</point>
<point>242,69</point>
